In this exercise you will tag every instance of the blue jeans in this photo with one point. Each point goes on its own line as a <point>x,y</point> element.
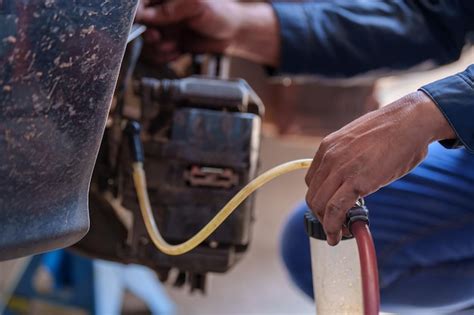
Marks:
<point>423,226</point>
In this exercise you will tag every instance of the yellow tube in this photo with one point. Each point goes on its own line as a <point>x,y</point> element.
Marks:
<point>150,223</point>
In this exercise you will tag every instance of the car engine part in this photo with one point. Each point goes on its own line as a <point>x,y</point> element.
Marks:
<point>201,138</point>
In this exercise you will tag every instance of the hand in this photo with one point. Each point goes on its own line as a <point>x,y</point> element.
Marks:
<point>198,26</point>
<point>247,30</point>
<point>368,154</point>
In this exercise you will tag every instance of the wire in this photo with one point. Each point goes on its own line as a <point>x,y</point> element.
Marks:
<point>169,249</point>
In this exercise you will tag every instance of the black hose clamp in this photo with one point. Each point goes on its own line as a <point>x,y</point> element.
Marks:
<point>357,213</point>
<point>315,229</point>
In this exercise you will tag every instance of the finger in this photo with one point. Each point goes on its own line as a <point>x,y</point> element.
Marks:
<point>168,47</point>
<point>346,232</point>
<point>161,47</point>
<point>166,58</point>
<point>323,193</point>
<point>336,209</point>
<point>151,36</point>
<point>314,165</point>
<point>171,12</point>
<point>162,58</point>
<point>199,44</point>
<point>324,170</point>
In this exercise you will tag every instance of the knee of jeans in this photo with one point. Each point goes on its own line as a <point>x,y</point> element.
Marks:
<point>294,248</point>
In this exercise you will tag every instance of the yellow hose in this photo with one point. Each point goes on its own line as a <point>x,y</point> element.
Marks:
<point>150,223</point>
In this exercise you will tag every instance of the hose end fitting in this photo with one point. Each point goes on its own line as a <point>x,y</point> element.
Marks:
<point>133,130</point>
<point>357,213</point>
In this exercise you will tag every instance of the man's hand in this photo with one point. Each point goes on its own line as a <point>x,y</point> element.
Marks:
<point>247,30</point>
<point>368,154</point>
<point>210,26</point>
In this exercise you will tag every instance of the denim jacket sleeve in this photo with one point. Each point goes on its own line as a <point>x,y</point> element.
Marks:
<point>454,96</point>
<point>344,38</point>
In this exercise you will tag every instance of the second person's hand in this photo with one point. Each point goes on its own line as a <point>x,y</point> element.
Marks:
<point>247,30</point>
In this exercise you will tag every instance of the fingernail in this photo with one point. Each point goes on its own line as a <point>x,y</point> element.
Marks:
<point>332,241</point>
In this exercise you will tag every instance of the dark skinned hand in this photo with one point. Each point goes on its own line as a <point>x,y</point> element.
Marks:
<point>370,153</point>
<point>179,26</point>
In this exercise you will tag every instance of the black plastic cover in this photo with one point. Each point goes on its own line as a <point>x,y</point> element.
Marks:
<point>313,226</point>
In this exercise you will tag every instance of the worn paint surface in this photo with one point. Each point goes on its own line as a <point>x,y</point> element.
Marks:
<point>58,65</point>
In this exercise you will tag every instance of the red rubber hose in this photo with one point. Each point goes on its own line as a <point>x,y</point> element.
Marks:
<point>368,267</point>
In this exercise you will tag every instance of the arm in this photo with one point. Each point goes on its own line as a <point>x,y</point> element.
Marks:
<point>336,38</point>
<point>369,153</point>
<point>344,38</point>
<point>247,30</point>
<point>384,145</point>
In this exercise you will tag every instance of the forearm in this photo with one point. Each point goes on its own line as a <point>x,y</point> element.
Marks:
<point>258,37</point>
<point>427,117</point>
